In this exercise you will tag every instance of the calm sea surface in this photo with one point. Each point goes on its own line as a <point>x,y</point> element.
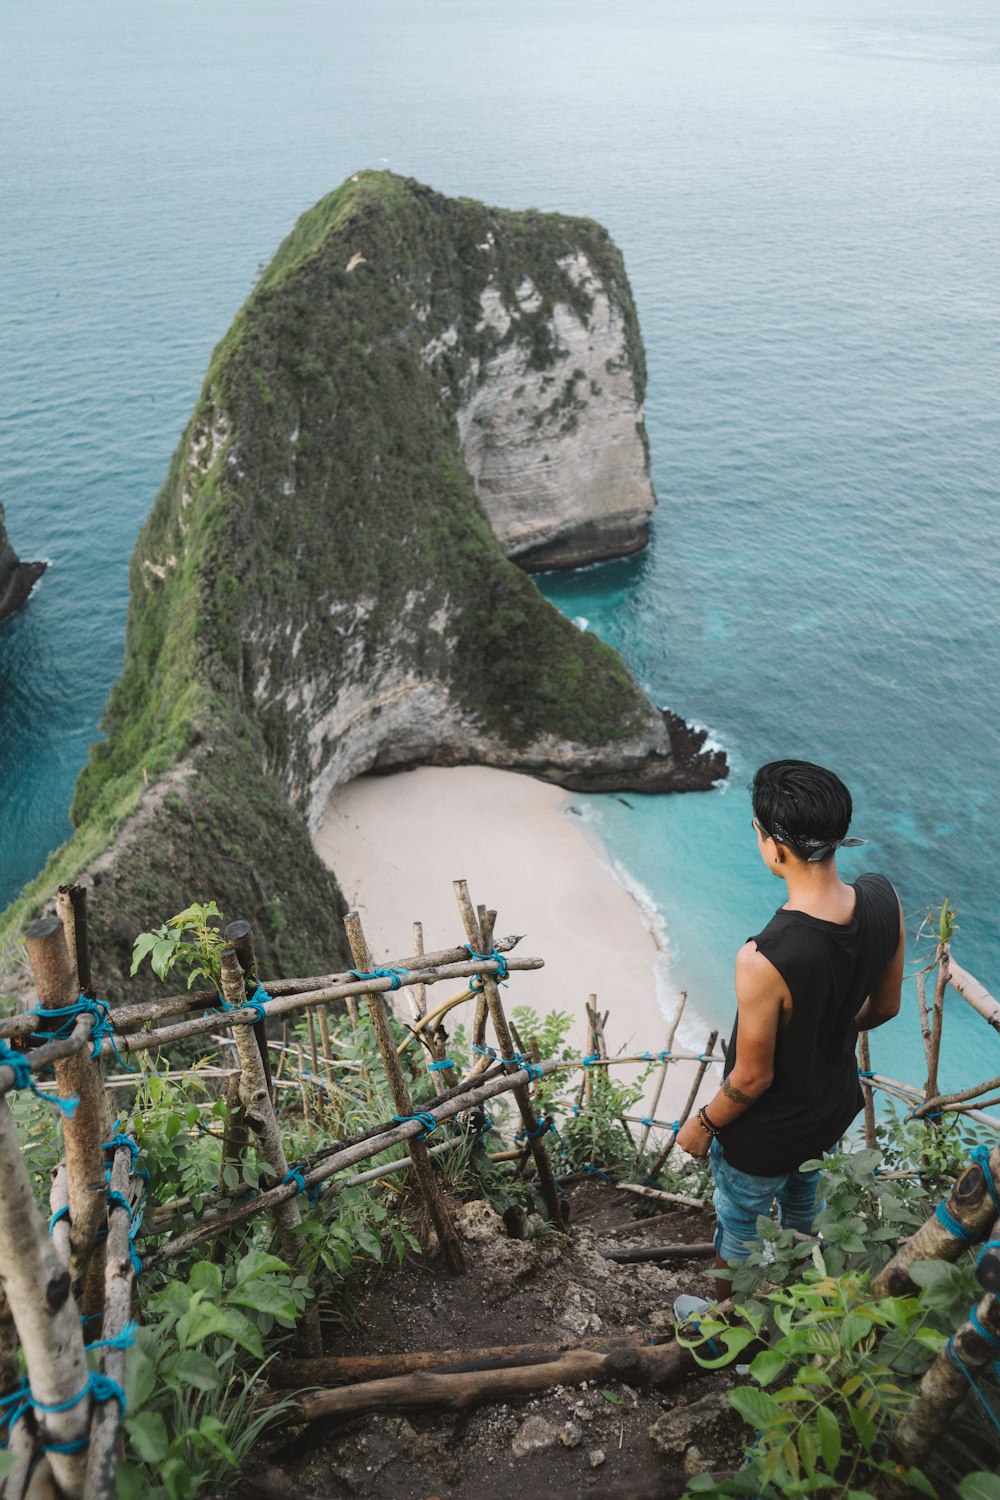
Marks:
<point>805,194</point>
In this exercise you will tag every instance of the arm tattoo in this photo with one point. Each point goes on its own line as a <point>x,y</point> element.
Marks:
<point>732,1092</point>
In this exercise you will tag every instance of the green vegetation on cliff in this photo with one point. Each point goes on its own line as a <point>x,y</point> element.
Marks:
<point>317,590</point>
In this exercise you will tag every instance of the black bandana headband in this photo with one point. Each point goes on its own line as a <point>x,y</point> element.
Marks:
<point>820,847</point>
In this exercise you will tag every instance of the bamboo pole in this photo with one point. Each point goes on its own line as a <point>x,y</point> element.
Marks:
<point>522,1095</point>
<point>974,994</point>
<point>315,988</point>
<point>865,1066</point>
<point>657,1166</point>
<point>44,1311</point>
<point>255,1097</point>
<point>239,936</point>
<point>970,1203</point>
<point>429,1185</point>
<point>56,982</point>
<point>661,1076</point>
<point>348,1369</point>
<point>102,1455</point>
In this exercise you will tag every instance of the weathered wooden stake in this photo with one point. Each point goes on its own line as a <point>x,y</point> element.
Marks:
<point>235,1139</point>
<point>661,1076</point>
<point>239,936</point>
<point>56,982</point>
<point>971,1203</point>
<point>119,1287</point>
<point>423,1171</point>
<point>255,1097</point>
<point>657,1166</point>
<point>937,1020</point>
<point>522,1094</point>
<point>44,1311</point>
<point>945,1382</point>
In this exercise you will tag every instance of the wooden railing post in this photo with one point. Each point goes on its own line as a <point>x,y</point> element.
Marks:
<point>522,1094</point>
<point>239,936</point>
<point>83,1131</point>
<point>423,1171</point>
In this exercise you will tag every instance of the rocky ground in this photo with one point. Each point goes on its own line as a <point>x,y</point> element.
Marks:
<point>601,1437</point>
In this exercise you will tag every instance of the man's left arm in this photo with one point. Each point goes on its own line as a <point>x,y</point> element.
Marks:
<point>760,991</point>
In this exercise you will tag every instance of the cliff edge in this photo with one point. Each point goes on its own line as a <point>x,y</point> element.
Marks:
<point>17,578</point>
<point>320,590</point>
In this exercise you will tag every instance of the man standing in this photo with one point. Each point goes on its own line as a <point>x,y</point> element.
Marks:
<point>828,965</point>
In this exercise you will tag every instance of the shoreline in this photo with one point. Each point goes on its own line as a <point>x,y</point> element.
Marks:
<point>397,842</point>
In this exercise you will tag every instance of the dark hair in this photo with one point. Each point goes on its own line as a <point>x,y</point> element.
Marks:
<point>801,805</point>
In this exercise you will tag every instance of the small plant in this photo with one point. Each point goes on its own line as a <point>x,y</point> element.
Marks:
<point>193,939</point>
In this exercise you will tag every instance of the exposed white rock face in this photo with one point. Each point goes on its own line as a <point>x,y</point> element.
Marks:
<point>558,453</point>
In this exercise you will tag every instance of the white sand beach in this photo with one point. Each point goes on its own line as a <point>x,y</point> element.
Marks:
<point>397,843</point>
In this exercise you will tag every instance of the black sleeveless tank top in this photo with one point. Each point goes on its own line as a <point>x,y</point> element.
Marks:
<point>829,970</point>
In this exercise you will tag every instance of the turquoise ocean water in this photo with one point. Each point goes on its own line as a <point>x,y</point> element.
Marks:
<point>805,194</point>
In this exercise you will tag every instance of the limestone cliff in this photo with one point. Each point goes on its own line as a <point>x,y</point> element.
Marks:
<point>318,590</point>
<point>16,578</point>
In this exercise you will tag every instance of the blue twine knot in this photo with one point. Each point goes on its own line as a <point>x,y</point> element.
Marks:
<point>438,1067</point>
<point>60,1213</point>
<point>293,1176</point>
<point>596,1171</point>
<point>534,1070</point>
<point>23,1079</point>
<point>981,1156</point>
<point>68,1015</point>
<point>577,1110</point>
<point>647,1121</point>
<point>503,968</point>
<point>423,1117</point>
<point>866,1073</point>
<point>255,1003</point>
<point>542,1127</point>
<point>954,1228</point>
<point>984,1333</point>
<point>705,1057</point>
<point>395,976</point>
<point>956,1359</point>
<point>119,1140</point>
<point>989,1245</point>
<point>588,1062</point>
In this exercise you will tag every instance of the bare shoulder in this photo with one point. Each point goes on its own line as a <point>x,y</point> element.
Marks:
<point>756,976</point>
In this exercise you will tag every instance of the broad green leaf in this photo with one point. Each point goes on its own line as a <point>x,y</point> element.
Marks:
<point>807,1448</point>
<point>149,1437</point>
<point>227,1321</point>
<point>856,1326</point>
<point>923,1486</point>
<point>863,1426</point>
<point>178,1480</point>
<point>206,1277</point>
<point>140,1378</point>
<point>258,1263</point>
<point>830,1441</point>
<point>755,1407</point>
<point>930,1272</point>
<point>767,1366</point>
<point>130,1482</point>
<point>198,1370</point>
<point>266,1297</point>
<point>979,1486</point>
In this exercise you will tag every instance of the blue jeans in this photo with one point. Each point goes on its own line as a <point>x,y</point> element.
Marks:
<point>739,1199</point>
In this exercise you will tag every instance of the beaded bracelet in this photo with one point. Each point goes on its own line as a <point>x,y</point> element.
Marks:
<point>705,1122</point>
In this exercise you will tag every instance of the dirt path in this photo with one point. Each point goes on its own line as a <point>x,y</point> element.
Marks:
<point>598,1438</point>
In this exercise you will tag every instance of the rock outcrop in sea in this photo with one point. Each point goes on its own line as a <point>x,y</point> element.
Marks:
<point>418,390</point>
<point>17,578</point>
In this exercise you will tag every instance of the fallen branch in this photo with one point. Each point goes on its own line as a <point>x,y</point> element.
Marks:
<point>656,1366</point>
<point>698,1250</point>
<point>659,1195</point>
<point>345,1369</point>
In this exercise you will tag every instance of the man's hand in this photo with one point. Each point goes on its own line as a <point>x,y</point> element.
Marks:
<point>694,1138</point>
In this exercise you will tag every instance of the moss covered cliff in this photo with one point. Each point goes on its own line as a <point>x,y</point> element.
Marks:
<point>318,590</point>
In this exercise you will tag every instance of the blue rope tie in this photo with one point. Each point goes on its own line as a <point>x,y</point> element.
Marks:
<point>588,1062</point>
<point>541,1128</point>
<point>534,1070</point>
<point>255,1003</point>
<point>647,1121</point>
<point>981,1156</point>
<point>577,1110</point>
<point>989,1245</point>
<point>705,1057</point>
<point>517,1061</point>
<point>438,1067</point>
<point>503,968</point>
<point>866,1073</point>
<point>293,1176</point>
<point>395,976</point>
<point>60,1213</point>
<point>984,1333</point>
<point>956,1359</point>
<point>589,1167</point>
<point>23,1079</point>
<point>954,1228</point>
<point>423,1117</point>
<point>118,1140</point>
<point>68,1015</point>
